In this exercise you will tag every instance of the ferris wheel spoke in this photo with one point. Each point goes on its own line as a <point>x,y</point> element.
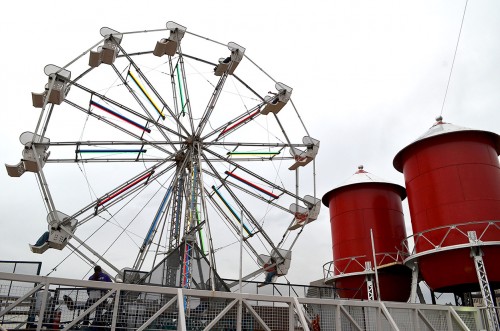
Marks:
<point>80,76</point>
<point>239,166</point>
<point>116,126</point>
<point>241,205</point>
<point>211,104</point>
<point>148,240</point>
<point>119,195</point>
<point>182,83</point>
<point>144,78</point>
<point>163,211</point>
<point>241,188</point>
<point>129,110</point>
<point>229,221</point>
<point>45,124</point>
<point>139,102</point>
<point>124,190</point>
<point>249,88</point>
<point>253,144</point>
<point>235,123</point>
<point>284,132</point>
<point>207,219</point>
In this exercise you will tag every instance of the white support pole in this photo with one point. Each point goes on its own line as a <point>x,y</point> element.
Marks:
<point>241,250</point>
<point>239,318</point>
<point>314,176</point>
<point>41,314</point>
<point>414,283</point>
<point>338,319</point>
<point>297,186</point>
<point>43,184</point>
<point>181,320</point>
<point>115,309</point>
<point>240,303</point>
<point>291,317</point>
<point>45,101</point>
<point>375,264</point>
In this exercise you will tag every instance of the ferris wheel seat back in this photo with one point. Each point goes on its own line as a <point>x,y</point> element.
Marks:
<point>170,45</point>
<point>109,50</point>
<point>304,157</point>
<point>305,215</point>
<point>283,260</point>
<point>314,205</point>
<point>165,46</point>
<point>229,64</point>
<point>58,85</point>
<point>28,161</point>
<point>58,238</point>
<point>276,101</point>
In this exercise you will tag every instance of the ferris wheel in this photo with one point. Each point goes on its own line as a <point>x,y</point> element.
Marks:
<point>146,137</point>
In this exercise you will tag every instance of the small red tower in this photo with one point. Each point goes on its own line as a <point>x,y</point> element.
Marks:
<point>366,203</point>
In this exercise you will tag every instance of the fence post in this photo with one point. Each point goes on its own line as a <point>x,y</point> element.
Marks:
<point>43,306</point>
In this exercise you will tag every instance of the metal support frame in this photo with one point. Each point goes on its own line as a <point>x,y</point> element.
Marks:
<point>42,308</point>
<point>369,280</point>
<point>477,255</point>
<point>340,310</point>
<point>414,282</point>
<point>300,313</point>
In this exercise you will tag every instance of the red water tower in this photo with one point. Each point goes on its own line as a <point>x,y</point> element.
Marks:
<point>363,205</point>
<point>452,177</point>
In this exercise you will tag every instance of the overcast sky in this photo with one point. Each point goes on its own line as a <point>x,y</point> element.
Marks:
<point>369,77</point>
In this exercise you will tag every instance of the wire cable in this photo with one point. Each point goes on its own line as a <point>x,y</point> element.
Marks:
<point>454,57</point>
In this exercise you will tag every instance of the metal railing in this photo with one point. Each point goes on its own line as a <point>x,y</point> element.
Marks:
<point>284,289</point>
<point>451,237</point>
<point>38,303</point>
<point>355,265</point>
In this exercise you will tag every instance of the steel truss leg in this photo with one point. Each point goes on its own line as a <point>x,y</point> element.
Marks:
<point>477,255</point>
<point>414,283</point>
<point>369,281</point>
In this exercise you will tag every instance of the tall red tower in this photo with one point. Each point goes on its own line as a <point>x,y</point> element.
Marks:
<point>452,177</point>
<point>366,203</point>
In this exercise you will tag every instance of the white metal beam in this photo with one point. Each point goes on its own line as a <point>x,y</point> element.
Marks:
<point>181,320</point>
